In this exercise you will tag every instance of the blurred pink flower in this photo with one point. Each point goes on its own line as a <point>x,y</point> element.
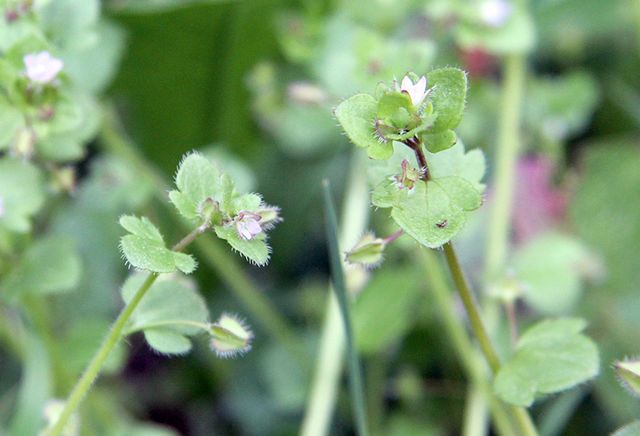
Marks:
<point>538,205</point>
<point>42,68</point>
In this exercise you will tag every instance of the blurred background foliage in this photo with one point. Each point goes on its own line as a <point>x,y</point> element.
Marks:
<point>254,83</point>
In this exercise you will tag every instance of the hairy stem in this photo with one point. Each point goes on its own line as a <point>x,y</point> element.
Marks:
<point>84,383</point>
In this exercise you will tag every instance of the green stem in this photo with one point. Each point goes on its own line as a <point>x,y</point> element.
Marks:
<point>211,250</point>
<point>340,287</point>
<point>471,308</point>
<point>83,385</point>
<point>475,370</point>
<point>506,156</point>
<point>93,370</point>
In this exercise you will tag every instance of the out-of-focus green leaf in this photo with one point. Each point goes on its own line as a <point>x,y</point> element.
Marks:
<point>632,429</point>
<point>50,265</point>
<point>385,309</point>
<point>35,389</point>
<point>21,192</point>
<point>550,357</point>
<point>551,267</point>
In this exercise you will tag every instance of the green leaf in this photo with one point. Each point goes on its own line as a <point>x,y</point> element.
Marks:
<point>35,388</point>
<point>21,191</point>
<point>50,265</point>
<point>632,429</point>
<point>550,357</point>
<point>165,312</point>
<point>436,142</point>
<point>456,162</point>
<point>357,116</point>
<point>10,121</point>
<point>255,250</point>
<point>551,267</point>
<point>448,94</point>
<point>145,249</point>
<point>385,309</point>
<point>434,211</point>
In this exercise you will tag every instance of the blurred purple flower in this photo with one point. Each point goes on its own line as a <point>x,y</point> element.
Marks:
<point>247,225</point>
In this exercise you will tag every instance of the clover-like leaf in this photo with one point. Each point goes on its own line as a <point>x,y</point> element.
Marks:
<point>170,312</point>
<point>198,180</point>
<point>145,248</point>
<point>436,142</point>
<point>456,162</point>
<point>432,212</point>
<point>255,250</point>
<point>50,265</point>
<point>550,357</point>
<point>448,94</point>
<point>357,116</point>
<point>21,194</point>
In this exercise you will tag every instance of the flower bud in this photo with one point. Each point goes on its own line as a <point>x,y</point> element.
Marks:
<point>209,211</point>
<point>64,179</point>
<point>230,336</point>
<point>367,252</point>
<point>24,145</point>
<point>269,216</point>
<point>628,372</point>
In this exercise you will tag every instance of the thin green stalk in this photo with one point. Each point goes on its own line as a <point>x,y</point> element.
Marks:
<point>474,368</point>
<point>471,308</point>
<point>339,286</point>
<point>520,415</point>
<point>211,250</point>
<point>324,387</point>
<point>83,385</point>
<point>506,155</point>
<point>93,370</point>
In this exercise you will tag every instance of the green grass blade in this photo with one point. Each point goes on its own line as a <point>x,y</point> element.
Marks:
<point>337,277</point>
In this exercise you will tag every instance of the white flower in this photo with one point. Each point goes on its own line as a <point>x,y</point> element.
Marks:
<point>247,225</point>
<point>417,91</point>
<point>495,13</point>
<point>42,68</point>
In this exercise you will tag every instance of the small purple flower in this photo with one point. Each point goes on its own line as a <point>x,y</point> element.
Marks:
<point>417,91</point>
<point>42,68</point>
<point>248,225</point>
<point>495,13</point>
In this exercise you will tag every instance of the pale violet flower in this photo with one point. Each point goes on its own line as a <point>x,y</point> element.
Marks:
<point>417,91</point>
<point>248,225</point>
<point>495,13</point>
<point>42,68</point>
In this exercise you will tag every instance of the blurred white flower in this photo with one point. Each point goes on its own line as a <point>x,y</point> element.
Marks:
<point>42,68</point>
<point>495,13</point>
<point>417,91</point>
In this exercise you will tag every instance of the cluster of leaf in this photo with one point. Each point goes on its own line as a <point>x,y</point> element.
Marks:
<point>431,209</point>
<point>53,122</point>
<point>338,55</point>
